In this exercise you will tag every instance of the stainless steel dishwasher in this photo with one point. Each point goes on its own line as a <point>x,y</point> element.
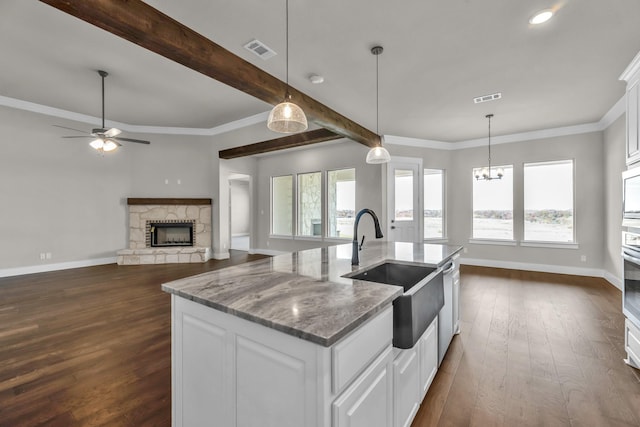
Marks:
<point>445,318</point>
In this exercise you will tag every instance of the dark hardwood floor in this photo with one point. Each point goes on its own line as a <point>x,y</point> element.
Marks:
<point>91,347</point>
<point>535,349</point>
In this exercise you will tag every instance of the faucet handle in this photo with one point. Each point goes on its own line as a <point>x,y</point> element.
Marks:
<point>361,242</point>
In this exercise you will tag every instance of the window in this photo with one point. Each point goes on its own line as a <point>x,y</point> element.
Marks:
<point>548,201</point>
<point>310,204</point>
<point>493,207</point>
<point>433,204</point>
<point>341,202</point>
<point>282,205</point>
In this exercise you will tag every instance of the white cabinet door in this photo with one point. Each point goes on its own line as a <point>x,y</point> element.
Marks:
<point>202,386</point>
<point>633,123</point>
<point>271,386</point>
<point>406,387</point>
<point>368,401</point>
<point>428,357</point>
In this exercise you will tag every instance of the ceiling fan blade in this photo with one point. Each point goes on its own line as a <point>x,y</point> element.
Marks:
<point>64,127</point>
<point>87,136</point>
<point>112,132</point>
<point>139,141</point>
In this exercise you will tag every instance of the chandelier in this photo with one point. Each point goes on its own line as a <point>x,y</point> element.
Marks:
<point>486,173</point>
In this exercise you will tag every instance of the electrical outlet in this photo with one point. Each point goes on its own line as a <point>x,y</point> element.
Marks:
<point>42,256</point>
<point>179,181</point>
<point>465,250</point>
<point>583,258</point>
<point>166,181</point>
<point>48,255</point>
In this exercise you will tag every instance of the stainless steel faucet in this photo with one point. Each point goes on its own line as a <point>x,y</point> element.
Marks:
<point>355,246</point>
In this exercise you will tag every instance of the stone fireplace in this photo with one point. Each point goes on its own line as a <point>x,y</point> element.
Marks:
<point>163,231</point>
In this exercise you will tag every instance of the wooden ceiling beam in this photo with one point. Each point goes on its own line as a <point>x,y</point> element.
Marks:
<point>139,23</point>
<point>291,141</point>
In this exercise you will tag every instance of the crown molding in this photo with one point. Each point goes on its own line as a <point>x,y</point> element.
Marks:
<point>617,110</point>
<point>632,70</point>
<point>163,130</point>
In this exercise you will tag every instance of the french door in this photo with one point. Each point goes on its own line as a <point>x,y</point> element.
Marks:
<point>404,204</point>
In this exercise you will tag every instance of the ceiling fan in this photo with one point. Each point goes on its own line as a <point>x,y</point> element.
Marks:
<point>104,139</point>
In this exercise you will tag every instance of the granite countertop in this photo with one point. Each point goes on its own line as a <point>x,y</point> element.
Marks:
<point>302,293</point>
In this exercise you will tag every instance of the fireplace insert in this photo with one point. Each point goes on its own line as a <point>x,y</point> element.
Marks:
<point>171,234</point>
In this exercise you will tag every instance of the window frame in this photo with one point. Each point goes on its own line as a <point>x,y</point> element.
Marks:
<point>327,226</point>
<point>490,240</point>
<point>573,244</point>
<point>444,236</point>
<point>297,222</point>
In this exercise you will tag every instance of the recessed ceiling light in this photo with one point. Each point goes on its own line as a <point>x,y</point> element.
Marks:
<point>541,17</point>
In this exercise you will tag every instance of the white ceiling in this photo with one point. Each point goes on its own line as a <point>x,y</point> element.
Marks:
<point>438,56</point>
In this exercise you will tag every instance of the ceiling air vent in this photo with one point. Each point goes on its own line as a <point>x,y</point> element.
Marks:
<point>260,49</point>
<point>485,98</point>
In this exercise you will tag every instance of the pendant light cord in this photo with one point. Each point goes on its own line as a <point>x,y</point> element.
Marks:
<point>377,96</point>
<point>286,54</point>
<point>489,117</point>
<point>102,101</point>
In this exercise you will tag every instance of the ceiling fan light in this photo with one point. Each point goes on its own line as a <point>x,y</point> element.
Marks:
<point>541,17</point>
<point>287,117</point>
<point>112,132</point>
<point>378,155</point>
<point>109,146</point>
<point>97,144</point>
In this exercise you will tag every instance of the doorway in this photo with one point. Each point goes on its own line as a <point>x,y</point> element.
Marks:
<point>240,212</point>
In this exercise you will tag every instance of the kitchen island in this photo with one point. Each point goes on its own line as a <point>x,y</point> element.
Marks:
<point>289,341</point>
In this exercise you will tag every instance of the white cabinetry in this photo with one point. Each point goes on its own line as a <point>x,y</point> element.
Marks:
<point>413,372</point>
<point>632,76</point>
<point>632,344</point>
<point>367,402</point>
<point>229,371</point>
<point>428,357</point>
<point>406,386</point>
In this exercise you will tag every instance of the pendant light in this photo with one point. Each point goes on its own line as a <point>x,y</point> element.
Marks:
<point>287,117</point>
<point>378,154</point>
<point>485,173</point>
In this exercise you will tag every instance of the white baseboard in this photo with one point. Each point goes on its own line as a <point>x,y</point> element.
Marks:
<point>545,268</point>
<point>614,280</point>
<point>32,269</point>
<point>221,255</point>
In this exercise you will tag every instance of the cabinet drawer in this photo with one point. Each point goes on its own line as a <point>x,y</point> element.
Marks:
<point>356,351</point>
<point>632,341</point>
<point>368,401</point>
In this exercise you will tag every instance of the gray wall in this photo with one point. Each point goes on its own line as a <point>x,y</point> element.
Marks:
<point>329,156</point>
<point>60,196</point>
<point>587,152</point>
<point>614,165</point>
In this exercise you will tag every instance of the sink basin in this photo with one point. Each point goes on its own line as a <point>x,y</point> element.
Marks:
<point>415,309</point>
<point>391,273</point>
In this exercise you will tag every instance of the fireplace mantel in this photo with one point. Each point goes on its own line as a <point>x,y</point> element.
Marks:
<point>171,201</point>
